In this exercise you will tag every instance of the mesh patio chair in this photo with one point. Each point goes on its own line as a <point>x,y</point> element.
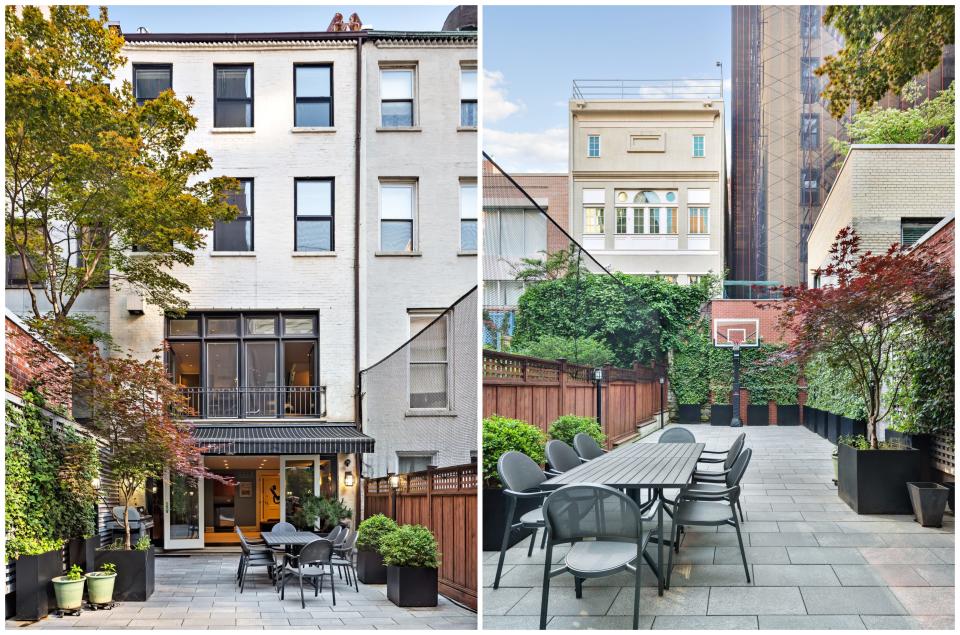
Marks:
<point>677,435</point>
<point>720,477</point>
<point>521,479</point>
<point>343,558</point>
<point>560,457</point>
<point>587,447</point>
<point>253,557</point>
<point>283,528</point>
<point>605,530</point>
<point>712,506</point>
<point>314,562</point>
<point>724,455</point>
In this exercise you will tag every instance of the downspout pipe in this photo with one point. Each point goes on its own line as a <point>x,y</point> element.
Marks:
<point>357,397</point>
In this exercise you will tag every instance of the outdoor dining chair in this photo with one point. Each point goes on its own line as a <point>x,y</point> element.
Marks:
<point>728,461</point>
<point>605,530</point>
<point>283,528</point>
<point>677,435</point>
<point>343,559</point>
<point>587,447</point>
<point>712,506</point>
<point>560,457</point>
<point>724,455</point>
<point>521,478</point>
<point>314,562</point>
<point>253,557</point>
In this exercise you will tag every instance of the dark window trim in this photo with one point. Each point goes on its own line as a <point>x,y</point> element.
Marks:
<point>250,99</point>
<point>333,210</point>
<point>248,218</point>
<point>312,100</point>
<point>134,70</point>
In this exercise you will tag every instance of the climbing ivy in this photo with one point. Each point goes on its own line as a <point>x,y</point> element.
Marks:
<point>689,366</point>
<point>762,372</point>
<point>832,389</point>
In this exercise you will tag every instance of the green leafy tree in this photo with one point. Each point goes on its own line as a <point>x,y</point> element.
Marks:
<point>559,264</point>
<point>589,351</point>
<point>885,46</point>
<point>91,175</point>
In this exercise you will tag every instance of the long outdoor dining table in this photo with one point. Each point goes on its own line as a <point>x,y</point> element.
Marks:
<point>292,539</point>
<point>638,466</point>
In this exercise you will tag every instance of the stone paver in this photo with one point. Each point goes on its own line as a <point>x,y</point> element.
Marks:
<point>815,565</point>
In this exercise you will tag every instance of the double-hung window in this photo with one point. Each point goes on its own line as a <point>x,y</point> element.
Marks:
<point>396,97</point>
<point>397,204</point>
<point>149,80</point>
<point>237,234</point>
<point>809,82</point>
<point>313,95</point>
<point>468,97</point>
<point>698,147</point>
<point>313,200</point>
<point>593,220</point>
<point>593,146</point>
<point>809,131</point>
<point>699,220</point>
<point>428,362</point>
<point>233,96</point>
<point>468,216</point>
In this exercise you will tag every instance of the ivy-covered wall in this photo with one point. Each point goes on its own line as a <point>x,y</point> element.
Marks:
<point>832,390</point>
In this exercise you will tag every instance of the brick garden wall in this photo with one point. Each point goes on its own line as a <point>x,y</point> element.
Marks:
<point>27,358</point>
<point>767,311</point>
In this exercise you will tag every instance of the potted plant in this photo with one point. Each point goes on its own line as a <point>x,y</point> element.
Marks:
<point>69,589</point>
<point>100,584</point>
<point>565,428</point>
<point>410,553</point>
<point>370,567</point>
<point>871,481</point>
<point>928,501</point>
<point>333,512</point>
<point>500,435</point>
<point>135,569</point>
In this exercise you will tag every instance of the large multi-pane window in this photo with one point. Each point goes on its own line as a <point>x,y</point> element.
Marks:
<point>502,293</point>
<point>237,234</point>
<point>810,22</point>
<point>149,80</point>
<point>313,95</point>
<point>810,186</point>
<point>698,148</point>
<point>246,364</point>
<point>809,82</point>
<point>699,218</point>
<point>646,212</point>
<point>593,146</point>
<point>514,233</point>
<point>810,131</point>
<point>396,97</point>
<point>468,97</point>
<point>314,211</point>
<point>233,96</point>
<point>468,216</point>
<point>397,205</point>
<point>428,362</point>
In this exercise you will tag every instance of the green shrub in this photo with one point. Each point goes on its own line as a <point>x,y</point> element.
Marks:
<point>75,573</point>
<point>109,567</point>
<point>832,389</point>
<point>569,426</point>
<point>372,530</point>
<point>690,366</point>
<point>143,543</point>
<point>588,351</point>
<point>410,546</point>
<point>500,435</point>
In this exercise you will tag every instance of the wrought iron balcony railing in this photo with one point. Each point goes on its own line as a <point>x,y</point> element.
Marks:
<point>257,402</point>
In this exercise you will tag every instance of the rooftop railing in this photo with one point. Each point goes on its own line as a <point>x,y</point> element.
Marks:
<point>647,89</point>
<point>256,402</point>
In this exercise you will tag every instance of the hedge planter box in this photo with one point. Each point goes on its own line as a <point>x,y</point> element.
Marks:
<point>495,518</point>
<point>34,585</point>
<point>370,568</point>
<point>788,415</point>
<point>875,481</point>
<point>852,427</point>
<point>921,442</point>
<point>412,586</point>
<point>135,573</point>
<point>82,552</point>
<point>833,427</point>
<point>69,593</point>
<point>928,501</point>
<point>689,413</point>
<point>758,415</point>
<point>720,415</point>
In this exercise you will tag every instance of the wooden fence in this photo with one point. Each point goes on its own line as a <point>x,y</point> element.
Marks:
<point>538,391</point>
<point>445,501</point>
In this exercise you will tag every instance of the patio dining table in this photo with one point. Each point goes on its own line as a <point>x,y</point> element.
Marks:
<point>291,539</point>
<point>635,467</point>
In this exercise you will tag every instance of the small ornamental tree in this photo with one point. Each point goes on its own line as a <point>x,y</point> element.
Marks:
<point>858,321</point>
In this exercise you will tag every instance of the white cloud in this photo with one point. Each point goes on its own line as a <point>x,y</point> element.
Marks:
<point>543,151</point>
<point>496,105</point>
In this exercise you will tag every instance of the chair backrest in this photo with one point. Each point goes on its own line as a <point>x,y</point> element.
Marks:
<point>284,528</point>
<point>734,451</point>
<point>739,467</point>
<point>576,512</point>
<point>320,551</point>
<point>560,456</point>
<point>335,534</point>
<point>244,545</point>
<point>342,536</point>
<point>518,472</point>
<point>586,446</point>
<point>350,543</point>
<point>677,435</point>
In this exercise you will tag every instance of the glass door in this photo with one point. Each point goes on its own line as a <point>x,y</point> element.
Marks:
<point>299,478</point>
<point>260,385</point>
<point>223,399</point>
<point>182,511</point>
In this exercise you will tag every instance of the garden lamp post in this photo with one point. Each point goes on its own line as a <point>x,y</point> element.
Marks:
<point>394,481</point>
<point>662,382</point>
<point>598,381</point>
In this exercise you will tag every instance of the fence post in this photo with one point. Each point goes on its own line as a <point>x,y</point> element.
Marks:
<point>430,470</point>
<point>562,399</point>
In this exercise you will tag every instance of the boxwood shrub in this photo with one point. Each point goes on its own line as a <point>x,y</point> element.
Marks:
<point>569,426</point>
<point>371,532</point>
<point>410,546</point>
<point>501,435</point>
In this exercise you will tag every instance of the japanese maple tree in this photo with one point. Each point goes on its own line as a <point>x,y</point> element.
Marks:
<point>859,319</point>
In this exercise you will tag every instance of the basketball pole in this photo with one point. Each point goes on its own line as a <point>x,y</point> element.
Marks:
<point>735,397</point>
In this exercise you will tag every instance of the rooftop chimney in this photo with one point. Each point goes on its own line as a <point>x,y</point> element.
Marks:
<point>338,25</point>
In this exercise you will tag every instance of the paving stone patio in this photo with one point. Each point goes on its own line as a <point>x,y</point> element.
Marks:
<point>198,593</point>
<point>815,563</point>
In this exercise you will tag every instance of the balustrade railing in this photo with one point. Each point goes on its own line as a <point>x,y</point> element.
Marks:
<point>257,402</point>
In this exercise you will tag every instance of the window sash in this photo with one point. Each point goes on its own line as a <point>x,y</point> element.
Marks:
<point>160,70</point>
<point>429,364</point>
<point>593,220</point>
<point>698,147</point>
<point>468,217</point>
<point>222,81</point>
<point>468,97</point>
<point>396,84</point>
<point>593,146</point>
<point>699,220</point>
<point>237,234</point>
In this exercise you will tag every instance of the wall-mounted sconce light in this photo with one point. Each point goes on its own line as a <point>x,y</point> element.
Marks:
<point>394,480</point>
<point>95,482</point>
<point>348,479</point>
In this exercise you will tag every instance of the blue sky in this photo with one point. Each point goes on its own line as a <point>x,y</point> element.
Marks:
<point>238,18</point>
<point>532,54</point>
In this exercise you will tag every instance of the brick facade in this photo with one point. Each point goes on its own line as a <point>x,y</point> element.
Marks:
<point>27,359</point>
<point>767,311</point>
<point>940,245</point>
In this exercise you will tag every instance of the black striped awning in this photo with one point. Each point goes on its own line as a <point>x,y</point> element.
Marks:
<point>282,439</point>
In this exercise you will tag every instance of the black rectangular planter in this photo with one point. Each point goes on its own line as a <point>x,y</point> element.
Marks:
<point>758,415</point>
<point>34,584</point>
<point>721,414</point>
<point>928,501</point>
<point>495,518</point>
<point>370,568</point>
<point>875,481</point>
<point>822,423</point>
<point>921,442</point>
<point>412,586</point>
<point>852,427</point>
<point>82,552</point>
<point>833,427</point>
<point>135,573</point>
<point>788,415</point>
<point>689,413</point>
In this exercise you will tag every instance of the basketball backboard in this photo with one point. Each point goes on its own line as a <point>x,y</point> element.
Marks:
<point>736,332</point>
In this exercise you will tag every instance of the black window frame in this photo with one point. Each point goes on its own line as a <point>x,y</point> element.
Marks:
<point>312,100</point>
<point>217,100</point>
<point>248,218</point>
<point>805,136</point>
<point>809,196</point>
<point>332,217</point>
<point>413,95</point>
<point>136,67</point>
<point>922,222</point>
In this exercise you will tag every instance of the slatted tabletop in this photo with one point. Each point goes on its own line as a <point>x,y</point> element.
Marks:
<point>294,538</point>
<point>638,465</point>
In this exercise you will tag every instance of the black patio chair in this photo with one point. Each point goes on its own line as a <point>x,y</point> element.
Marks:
<point>343,559</point>
<point>253,557</point>
<point>314,562</point>
<point>521,479</point>
<point>336,534</point>
<point>677,435</point>
<point>724,455</point>
<point>605,530</point>
<point>587,447</point>
<point>720,477</point>
<point>560,457</point>
<point>712,506</point>
<point>283,528</point>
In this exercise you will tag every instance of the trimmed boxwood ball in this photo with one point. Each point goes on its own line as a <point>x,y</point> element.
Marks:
<point>372,530</point>
<point>410,546</point>
<point>569,426</point>
<point>500,435</point>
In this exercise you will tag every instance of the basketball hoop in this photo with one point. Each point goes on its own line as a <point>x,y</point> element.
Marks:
<point>735,334</point>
